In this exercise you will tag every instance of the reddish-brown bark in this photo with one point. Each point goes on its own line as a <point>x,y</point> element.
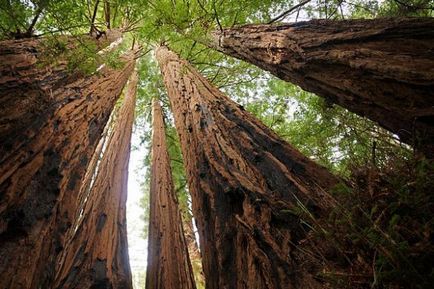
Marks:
<point>194,252</point>
<point>41,172</point>
<point>96,249</point>
<point>168,260</point>
<point>28,81</point>
<point>382,69</point>
<point>245,184</point>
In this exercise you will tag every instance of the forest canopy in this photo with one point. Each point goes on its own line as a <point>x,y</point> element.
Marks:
<point>380,179</point>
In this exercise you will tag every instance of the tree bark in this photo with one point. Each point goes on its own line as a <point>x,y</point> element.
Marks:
<point>168,260</point>
<point>194,252</point>
<point>41,172</point>
<point>245,184</point>
<point>96,251</point>
<point>382,69</point>
<point>28,85</point>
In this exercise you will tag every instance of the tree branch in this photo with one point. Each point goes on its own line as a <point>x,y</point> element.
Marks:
<point>92,23</point>
<point>107,13</point>
<point>35,19</point>
<point>217,17</point>
<point>413,7</point>
<point>299,5</point>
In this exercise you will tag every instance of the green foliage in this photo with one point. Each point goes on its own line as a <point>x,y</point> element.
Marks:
<point>150,87</point>
<point>82,58</point>
<point>383,225</point>
<point>334,137</point>
<point>330,135</point>
<point>78,52</point>
<point>65,17</point>
<point>178,173</point>
<point>113,57</point>
<point>17,17</point>
<point>14,17</point>
<point>407,8</point>
<point>196,264</point>
<point>173,21</point>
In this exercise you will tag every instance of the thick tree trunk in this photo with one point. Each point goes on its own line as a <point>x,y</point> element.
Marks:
<point>245,184</point>
<point>382,69</point>
<point>96,250</point>
<point>41,173</point>
<point>168,260</point>
<point>28,85</point>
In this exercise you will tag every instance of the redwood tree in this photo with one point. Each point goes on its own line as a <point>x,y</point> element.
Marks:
<point>168,260</point>
<point>246,185</point>
<point>382,69</point>
<point>31,70</point>
<point>96,249</point>
<point>41,170</point>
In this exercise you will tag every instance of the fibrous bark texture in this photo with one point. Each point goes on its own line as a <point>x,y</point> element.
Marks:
<point>245,184</point>
<point>28,82</point>
<point>382,69</point>
<point>96,250</point>
<point>41,170</point>
<point>168,260</point>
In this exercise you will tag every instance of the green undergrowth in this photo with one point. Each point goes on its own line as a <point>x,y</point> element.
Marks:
<point>380,235</point>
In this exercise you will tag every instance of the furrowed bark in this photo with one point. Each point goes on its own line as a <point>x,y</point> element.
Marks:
<point>96,251</point>
<point>168,260</point>
<point>245,184</point>
<point>41,173</point>
<point>382,69</point>
<point>28,85</point>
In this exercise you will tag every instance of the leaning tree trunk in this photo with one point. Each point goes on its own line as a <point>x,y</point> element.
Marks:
<point>96,250</point>
<point>28,80</point>
<point>246,183</point>
<point>40,176</point>
<point>168,260</point>
<point>382,69</point>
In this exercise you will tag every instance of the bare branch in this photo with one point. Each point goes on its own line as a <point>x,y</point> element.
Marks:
<point>202,7</point>
<point>35,19</point>
<point>217,17</point>
<point>92,23</point>
<point>289,11</point>
<point>107,13</point>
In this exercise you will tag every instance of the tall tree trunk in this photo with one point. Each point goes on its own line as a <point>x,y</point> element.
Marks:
<point>41,173</point>
<point>245,181</point>
<point>194,252</point>
<point>28,84</point>
<point>168,260</point>
<point>96,250</point>
<point>382,69</point>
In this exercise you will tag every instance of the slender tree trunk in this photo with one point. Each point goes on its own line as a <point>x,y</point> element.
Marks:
<point>96,250</point>
<point>382,69</point>
<point>41,173</point>
<point>245,184</point>
<point>107,13</point>
<point>168,260</point>
<point>194,253</point>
